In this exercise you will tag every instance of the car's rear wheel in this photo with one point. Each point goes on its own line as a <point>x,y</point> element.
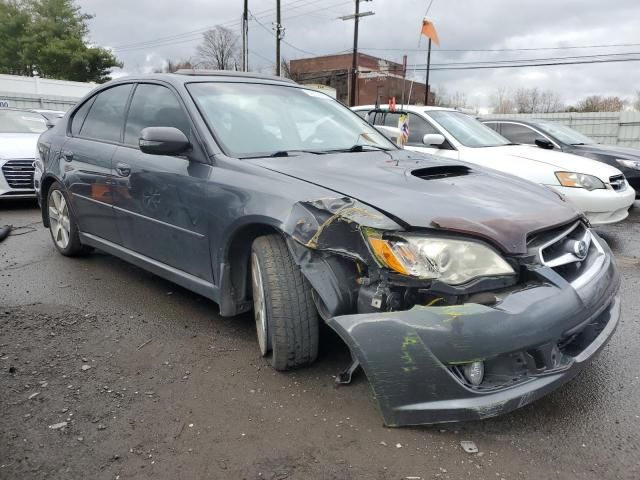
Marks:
<point>285,315</point>
<point>62,225</point>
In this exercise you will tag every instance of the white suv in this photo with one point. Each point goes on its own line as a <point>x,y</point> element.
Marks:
<point>19,132</point>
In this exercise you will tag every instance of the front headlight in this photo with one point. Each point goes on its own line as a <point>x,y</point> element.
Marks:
<point>450,261</point>
<point>634,164</point>
<point>579,180</point>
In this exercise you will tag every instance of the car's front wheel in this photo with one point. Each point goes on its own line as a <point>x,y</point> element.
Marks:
<point>62,225</point>
<point>285,314</point>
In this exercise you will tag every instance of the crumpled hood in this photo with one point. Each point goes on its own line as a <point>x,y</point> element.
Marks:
<point>485,203</point>
<point>559,160</point>
<point>18,145</point>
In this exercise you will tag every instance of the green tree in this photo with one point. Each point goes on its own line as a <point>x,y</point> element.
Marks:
<point>47,38</point>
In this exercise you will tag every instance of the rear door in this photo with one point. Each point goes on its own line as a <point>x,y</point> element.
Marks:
<point>160,201</point>
<point>95,131</point>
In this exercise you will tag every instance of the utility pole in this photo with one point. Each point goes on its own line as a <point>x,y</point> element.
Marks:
<point>354,61</point>
<point>426,94</point>
<point>245,37</point>
<point>279,35</point>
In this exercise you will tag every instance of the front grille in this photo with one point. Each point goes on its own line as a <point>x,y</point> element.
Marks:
<point>19,173</point>
<point>559,247</point>
<point>618,183</point>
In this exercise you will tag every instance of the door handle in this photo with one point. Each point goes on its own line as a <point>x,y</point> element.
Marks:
<point>67,155</point>
<point>123,169</point>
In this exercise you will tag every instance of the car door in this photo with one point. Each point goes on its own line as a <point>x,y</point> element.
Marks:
<point>160,201</point>
<point>418,128</point>
<point>94,132</point>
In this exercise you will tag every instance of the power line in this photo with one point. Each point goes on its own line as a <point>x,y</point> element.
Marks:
<point>194,35</point>
<point>501,49</point>
<point>283,41</point>
<point>514,61</point>
<point>619,60</point>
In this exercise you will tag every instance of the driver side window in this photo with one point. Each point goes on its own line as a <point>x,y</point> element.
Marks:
<point>519,133</point>
<point>154,106</point>
<point>418,127</point>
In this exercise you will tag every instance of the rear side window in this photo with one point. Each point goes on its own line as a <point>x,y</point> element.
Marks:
<point>519,133</point>
<point>79,116</point>
<point>493,125</point>
<point>154,106</point>
<point>106,117</point>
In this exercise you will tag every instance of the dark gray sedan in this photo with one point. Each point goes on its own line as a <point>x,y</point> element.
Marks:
<point>462,292</point>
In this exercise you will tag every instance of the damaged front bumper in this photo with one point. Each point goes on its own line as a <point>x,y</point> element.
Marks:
<point>533,339</point>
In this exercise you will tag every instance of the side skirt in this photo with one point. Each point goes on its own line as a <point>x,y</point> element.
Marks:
<point>167,272</point>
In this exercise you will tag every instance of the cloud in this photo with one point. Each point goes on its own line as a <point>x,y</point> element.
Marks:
<point>462,24</point>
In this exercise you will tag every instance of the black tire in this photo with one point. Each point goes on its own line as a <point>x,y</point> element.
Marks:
<point>74,248</point>
<point>291,315</point>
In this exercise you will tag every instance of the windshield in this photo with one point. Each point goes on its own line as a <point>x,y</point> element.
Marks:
<point>20,121</point>
<point>253,120</point>
<point>565,134</point>
<point>467,130</point>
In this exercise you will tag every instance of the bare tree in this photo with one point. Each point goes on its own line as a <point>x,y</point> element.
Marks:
<point>532,100</point>
<point>636,102</point>
<point>285,68</point>
<point>219,49</point>
<point>597,103</point>
<point>170,66</point>
<point>456,100</point>
<point>527,100</point>
<point>502,101</point>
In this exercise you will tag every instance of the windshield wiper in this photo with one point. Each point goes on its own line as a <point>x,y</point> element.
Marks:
<point>282,153</point>
<point>358,147</point>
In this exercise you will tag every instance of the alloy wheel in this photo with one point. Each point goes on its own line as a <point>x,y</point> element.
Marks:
<point>259,305</point>
<point>59,221</point>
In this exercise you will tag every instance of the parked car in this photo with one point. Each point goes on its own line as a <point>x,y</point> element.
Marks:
<point>462,292</point>
<point>551,135</point>
<point>19,132</point>
<point>598,190</point>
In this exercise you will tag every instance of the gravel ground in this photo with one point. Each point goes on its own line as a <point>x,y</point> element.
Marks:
<point>109,372</point>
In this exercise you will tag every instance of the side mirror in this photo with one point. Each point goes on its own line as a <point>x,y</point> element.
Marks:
<point>433,139</point>
<point>163,141</point>
<point>544,143</point>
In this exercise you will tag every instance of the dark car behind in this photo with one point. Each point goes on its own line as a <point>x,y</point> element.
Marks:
<point>547,134</point>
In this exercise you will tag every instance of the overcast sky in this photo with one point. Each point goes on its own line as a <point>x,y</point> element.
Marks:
<point>312,27</point>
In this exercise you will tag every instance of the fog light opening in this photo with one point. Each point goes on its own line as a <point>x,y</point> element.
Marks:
<point>474,373</point>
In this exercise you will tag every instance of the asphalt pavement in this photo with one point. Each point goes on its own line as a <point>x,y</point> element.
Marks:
<point>150,382</point>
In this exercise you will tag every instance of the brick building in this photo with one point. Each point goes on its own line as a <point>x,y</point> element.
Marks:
<point>377,79</point>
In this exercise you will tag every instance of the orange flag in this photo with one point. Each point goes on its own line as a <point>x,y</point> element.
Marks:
<point>429,31</point>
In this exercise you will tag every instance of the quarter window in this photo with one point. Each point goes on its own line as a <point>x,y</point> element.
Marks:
<point>79,116</point>
<point>106,117</point>
<point>154,106</point>
<point>519,133</point>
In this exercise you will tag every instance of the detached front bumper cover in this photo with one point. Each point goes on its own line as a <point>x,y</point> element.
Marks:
<point>537,338</point>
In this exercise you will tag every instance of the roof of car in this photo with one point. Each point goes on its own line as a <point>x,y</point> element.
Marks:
<point>408,108</point>
<point>185,76</point>
<point>525,121</point>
